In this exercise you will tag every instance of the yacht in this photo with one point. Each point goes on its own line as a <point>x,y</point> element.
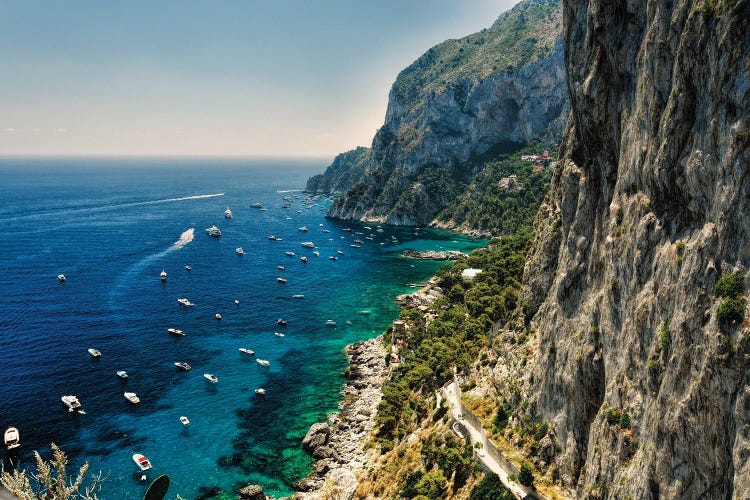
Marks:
<point>263,362</point>
<point>281,280</point>
<point>330,322</point>
<point>298,296</point>
<point>339,252</point>
<point>217,316</point>
<point>61,277</point>
<point>273,237</point>
<point>122,374</point>
<point>13,438</point>
<point>308,244</point>
<point>316,253</point>
<point>163,275</point>
<point>290,254</point>
<point>211,377</point>
<point>280,268</point>
<point>213,231</point>
<point>303,258</point>
<point>188,268</point>
<point>228,213</point>
<point>278,334</point>
<point>142,462</point>
<point>260,391</point>
<point>184,420</point>
<point>182,365</point>
<point>333,257</point>
<point>95,353</point>
<point>237,301</point>
<point>239,251</point>
<point>303,229</point>
<point>130,396</point>
<point>175,332</point>
<point>247,351</point>
<point>281,322</point>
<point>185,302</point>
<point>72,403</point>
<point>346,229</point>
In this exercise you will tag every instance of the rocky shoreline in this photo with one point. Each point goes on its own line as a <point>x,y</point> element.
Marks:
<point>434,255</point>
<point>338,445</point>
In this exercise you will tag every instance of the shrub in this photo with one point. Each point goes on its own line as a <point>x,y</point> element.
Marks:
<point>525,476</point>
<point>730,311</point>
<point>665,337</point>
<point>491,488</point>
<point>730,285</point>
<point>501,419</point>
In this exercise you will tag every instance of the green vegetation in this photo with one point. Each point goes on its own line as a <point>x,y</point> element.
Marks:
<point>615,416</point>
<point>443,456</point>
<point>665,337</point>
<point>491,488</point>
<point>731,309</point>
<point>519,37</point>
<point>730,285</point>
<point>525,475</point>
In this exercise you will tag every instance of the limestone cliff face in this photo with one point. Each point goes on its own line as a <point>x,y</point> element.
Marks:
<point>463,99</point>
<point>649,206</point>
<point>347,169</point>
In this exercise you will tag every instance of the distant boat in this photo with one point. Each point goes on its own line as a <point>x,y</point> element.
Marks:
<point>316,253</point>
<point>273,237</point>
<point>281,322</point>
<point>280,268</point>
<point>263,209</point>
<point>256,205</point>
<point>228,213</point>
<point>346,229</point>
<point>260,391</point>
<point>308,244</point>
<point>237,301</point>
<point>95,353</point>
<point>333,257</point>
<point>211,377</point>
<point>188,268</point>
<point>239,251</point>
<point>185,302</point>
<point>355,246</point>
<point>298,296</point>
<point>184,420</point>
<point>303,258</point>
<point>141,461</point>
<point>217,316</point>
<point>61,277</point>
<point>358,242</point>
<point>176,332</point>
<point>326,231</point>
<point>339,252</point>
<point>163,275</point>
<point>290,254</point>
<point>122,374</point>
<point>263,362</point>
<point>247,351</point>
<point>130,396</point>
<point>12,438</point>
<point>281,280</point>
<point>278,334</point>
<point>303,229</point>
<point>213,231</point>
<point>72,403</point>
<point>182,365</point>
<point>330,322</point>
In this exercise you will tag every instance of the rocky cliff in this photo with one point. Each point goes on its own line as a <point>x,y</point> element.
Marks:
<point>462,100</point>
<point>345,171</point>
<point>643,377</point>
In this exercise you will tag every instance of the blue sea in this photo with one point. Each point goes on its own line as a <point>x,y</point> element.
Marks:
<point>111,226</point>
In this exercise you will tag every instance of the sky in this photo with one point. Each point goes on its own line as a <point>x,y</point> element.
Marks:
<point>211,78</point>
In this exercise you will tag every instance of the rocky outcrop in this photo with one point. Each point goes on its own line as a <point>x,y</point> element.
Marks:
<point>251,492</point>
<point>346,169</point>
<point>338,446</point>
<point>461,101</point>
<point>648,207</point>
<point>434,255</point>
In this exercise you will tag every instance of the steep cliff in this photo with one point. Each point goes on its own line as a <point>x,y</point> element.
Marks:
<point>346,170</point>
<point>643,377</point>
<point>462,100</point>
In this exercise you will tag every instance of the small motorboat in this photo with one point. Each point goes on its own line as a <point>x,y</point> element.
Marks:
<point>141,461</point>
<point>316,253</point>
<point>260,391</point>
<point>263,209</point>
<point>273,237</point>
<point>303,259</point>
<point>333,257</point>
<point>358,242</point>
<point>237,301</point>
<point>217,316</point>
<point>256,205</point>
<point>339,252</point>
<point>176,332</point>
<point>308,244</point>
<point>213,231</point>
<point>280,268</point>
<point>13,438</point>
<point>281,322</point>
<point>281,280</point>
<point>185,302</point>
<point>131,396</point>
<point>95,353</point>
<point>122,374</point>
<point>326,231</point>
<point>61,277</point>
<point>188,268</point>
<point>303,229</point>
<point>211,377</point>
<point>72,403</point>
<point>355,246</point>
<point>239,251</point>
<point>184,420</point>
<point>330,322</point>
<point>263,362</point>
<point>298,296</point>
<point>278,334</point>
<point>290,254</point>
<point>228,213</point>
<point>182,365</point>
<point>163,275</point>
<point>346,229</point>
<point>247,351</point>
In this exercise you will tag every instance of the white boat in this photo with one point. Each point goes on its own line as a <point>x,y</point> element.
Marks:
<point>263,209</point>
<point>95,353</point>
<point>247,351</point>
<point>281,280</point>
<point>176,332</point>
<point>185,302</point>
<point>12,438</point>
<point>217,316</point>
<point>211,377</point>
<point>260,391</point>
<point>308,244</point>
<point>213,231</point>
<point>355,246</point>
<point>122,374</point>
<point>61,277</point>
<point>237,301</point>
<point>281,322</point>
<point>273,237</point>
<point>290,254</point>
<point>188,268</point>
<point>228,213</point>
<point>333,257</point>
<point>72,403</point>
<point>130,396</point>
<point>256,205</point>
<point>263,362</point>
<point>330,322</point>
<point>346,229</point>
<point>303,229</point>
<point>303,258</point>
<point>280,268</point>
<point>163,275</point>
<point>278,334</point>
<point>141,461</point>
<point>298,296</point>
<point>339,252</point>
<point>316,253</point>
<point>182,365</point>
<point>184,420</point>
<point>326,231</point>
<point>239,251</point>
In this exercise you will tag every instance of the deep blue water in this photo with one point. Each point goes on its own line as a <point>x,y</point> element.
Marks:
<point>111,226</point>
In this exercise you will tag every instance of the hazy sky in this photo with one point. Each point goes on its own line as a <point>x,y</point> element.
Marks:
<point>253,77</point>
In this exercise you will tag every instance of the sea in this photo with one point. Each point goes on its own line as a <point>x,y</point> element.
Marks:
<point>111,226</point>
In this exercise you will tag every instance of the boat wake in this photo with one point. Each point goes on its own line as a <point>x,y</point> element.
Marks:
<point>185,238</point>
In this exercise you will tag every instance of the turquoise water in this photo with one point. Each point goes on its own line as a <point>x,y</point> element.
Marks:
<point>111,226</point>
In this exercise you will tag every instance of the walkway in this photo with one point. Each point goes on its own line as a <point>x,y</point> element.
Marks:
<point>494,462</point>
